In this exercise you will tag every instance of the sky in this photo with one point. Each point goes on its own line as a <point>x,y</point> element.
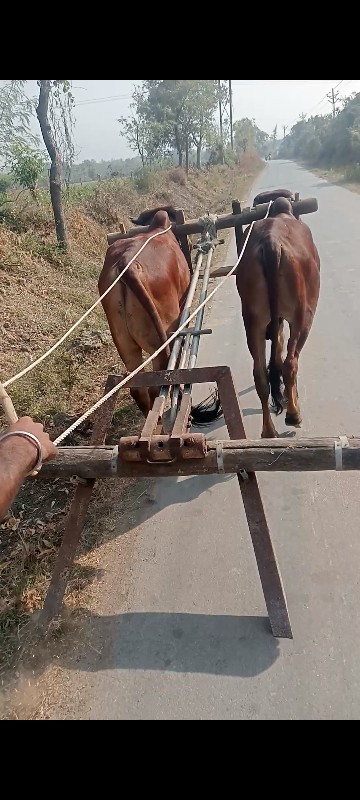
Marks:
<point>99,104</point>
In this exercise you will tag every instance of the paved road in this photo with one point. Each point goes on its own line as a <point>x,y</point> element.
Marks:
<point>196,643</point>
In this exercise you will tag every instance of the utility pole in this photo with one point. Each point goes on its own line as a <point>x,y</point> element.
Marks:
<point>221,114</point>
<point>221,122</point>
<point>284,129</point>
<point>333,97</point>
<point>231,115</point>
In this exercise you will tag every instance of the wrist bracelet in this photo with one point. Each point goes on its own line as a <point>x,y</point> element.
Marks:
<point>30,438</point>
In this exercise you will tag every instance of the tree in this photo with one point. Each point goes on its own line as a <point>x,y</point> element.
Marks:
<point>55,120</point>
<point>163,103</point>
<point>200,106</point>
<point>171,115</point>
<point>90,168</point>
<point>141,136</point>
<point>15,115</point>
<point>27,165</point>
<point>327,140</point>
<point>247,135</point>
<point>244,134</point>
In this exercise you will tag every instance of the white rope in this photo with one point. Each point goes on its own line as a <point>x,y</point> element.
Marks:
<point>84,317</point>
<point>172,338</point>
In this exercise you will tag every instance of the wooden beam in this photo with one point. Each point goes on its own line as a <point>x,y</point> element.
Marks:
<point>307,206</point>
<point>277,455</point>
<point>239,230</point>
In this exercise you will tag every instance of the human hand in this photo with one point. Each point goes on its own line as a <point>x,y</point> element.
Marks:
<point>29,426</point>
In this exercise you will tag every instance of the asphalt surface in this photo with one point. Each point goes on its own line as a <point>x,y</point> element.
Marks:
<point>193,641</point>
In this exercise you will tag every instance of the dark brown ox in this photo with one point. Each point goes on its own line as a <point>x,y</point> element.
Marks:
<point>146,217</point>
<point>144,307</point>
<point>279,279</point>
<point>271,195</point>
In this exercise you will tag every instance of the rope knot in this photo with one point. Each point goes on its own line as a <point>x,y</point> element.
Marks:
<point>209,239</point>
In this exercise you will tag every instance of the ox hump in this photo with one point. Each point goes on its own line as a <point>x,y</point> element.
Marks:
<point>161,220</point>
<point>281,206</point>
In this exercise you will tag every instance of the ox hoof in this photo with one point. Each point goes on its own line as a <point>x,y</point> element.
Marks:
<point>269,435</point>
<point>293,421</point>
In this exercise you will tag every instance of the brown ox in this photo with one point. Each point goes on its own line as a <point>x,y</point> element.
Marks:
<point>144,307</point>
<point>146,218</point>
<point>278,279</point>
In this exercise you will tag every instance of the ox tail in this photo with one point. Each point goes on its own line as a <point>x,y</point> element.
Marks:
<point>208,410</point>
<point>132,280</point>
<point>271,265</point>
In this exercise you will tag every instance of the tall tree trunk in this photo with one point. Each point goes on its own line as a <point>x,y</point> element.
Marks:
<point>198,156</point>
<point>187,156</point>
<point>179,146</point>
<point>42,112</point>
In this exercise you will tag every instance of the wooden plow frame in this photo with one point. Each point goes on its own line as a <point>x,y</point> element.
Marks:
<point>155,454</point>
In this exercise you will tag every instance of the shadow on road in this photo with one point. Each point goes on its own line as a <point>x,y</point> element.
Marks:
<point>252,412</point>
<point>324,184</point>
<point>178,643</point>
<point>246,391</point>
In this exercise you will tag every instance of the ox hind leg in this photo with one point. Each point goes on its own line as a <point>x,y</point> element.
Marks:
<point>129,351</point>
<point>279,358</point>
<point>132,356</point>
<point>132,360</point>
<point>298,337</point>
<point>256,338</point>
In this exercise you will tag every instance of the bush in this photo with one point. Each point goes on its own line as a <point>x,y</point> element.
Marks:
<point>10,219</point>
<point>178,176</point>
<point>27,166</point>
<point>102,209</point>
<point>217,154</point>
<point>144,180</point>
<point>352,174</point>
<point>5,183</point>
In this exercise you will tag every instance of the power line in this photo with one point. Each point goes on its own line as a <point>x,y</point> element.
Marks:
<point>326,97</point>
<point>348,84</point>
<point>110,99</point>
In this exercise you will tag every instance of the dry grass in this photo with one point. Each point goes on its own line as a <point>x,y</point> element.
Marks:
<point>42,292</point>
<point>348,178</point>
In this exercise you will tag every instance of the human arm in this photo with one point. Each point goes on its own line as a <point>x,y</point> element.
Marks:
<point>18,456</point>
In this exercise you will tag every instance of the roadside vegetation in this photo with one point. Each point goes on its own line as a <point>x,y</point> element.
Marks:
<point>330,143</point>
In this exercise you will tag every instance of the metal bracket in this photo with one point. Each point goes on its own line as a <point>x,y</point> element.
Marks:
<point>243,475</point>
<point>163,449</point>
<point>220,458</point>
<point>76,481</point>
<point>194,332</point>
<point>341,444</point>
